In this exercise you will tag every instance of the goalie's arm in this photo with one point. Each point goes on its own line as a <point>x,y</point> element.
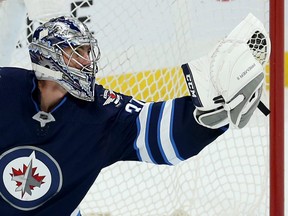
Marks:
<point>167,132</point>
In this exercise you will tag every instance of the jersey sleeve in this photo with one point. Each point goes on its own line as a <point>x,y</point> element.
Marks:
<point>166,132</point>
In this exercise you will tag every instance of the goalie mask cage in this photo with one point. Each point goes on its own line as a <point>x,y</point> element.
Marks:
<point>143,44</point>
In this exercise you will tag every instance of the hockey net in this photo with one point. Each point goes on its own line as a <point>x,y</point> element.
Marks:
<point>143,43</point>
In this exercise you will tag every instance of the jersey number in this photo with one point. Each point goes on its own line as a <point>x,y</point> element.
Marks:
<point>134,106</point>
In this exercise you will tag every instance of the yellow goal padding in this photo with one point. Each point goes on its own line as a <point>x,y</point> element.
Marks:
<point>160,84</point>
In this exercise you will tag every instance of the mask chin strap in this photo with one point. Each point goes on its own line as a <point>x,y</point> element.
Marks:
<point>43,73</point>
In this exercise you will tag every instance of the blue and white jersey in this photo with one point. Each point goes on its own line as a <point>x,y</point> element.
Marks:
<point>48,161</point>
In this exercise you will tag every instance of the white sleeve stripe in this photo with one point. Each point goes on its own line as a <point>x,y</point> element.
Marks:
<point>166,136</point>
<point>171,132</point>
<point>158,137</point>
<point>142,143</point>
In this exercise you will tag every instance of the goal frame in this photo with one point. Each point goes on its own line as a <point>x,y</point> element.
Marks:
<point>276,22</point>
<point>276,117</point>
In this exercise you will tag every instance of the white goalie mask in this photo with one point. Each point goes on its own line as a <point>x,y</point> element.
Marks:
<point>63,50</point>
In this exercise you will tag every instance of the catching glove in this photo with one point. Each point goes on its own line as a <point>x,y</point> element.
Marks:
<point>226,85</point>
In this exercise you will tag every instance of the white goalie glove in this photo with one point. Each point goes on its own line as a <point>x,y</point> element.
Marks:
<point>226,85</point>
<point>239,78</point>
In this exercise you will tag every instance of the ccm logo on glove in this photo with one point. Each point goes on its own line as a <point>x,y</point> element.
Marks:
<point>191,86</point>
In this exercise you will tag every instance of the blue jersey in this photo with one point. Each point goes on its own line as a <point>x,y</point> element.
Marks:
<point>48,161</point>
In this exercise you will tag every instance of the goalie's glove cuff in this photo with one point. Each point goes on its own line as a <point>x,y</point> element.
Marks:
<point>209,110</point>
<point>198,79</point>
<point>212,118</point>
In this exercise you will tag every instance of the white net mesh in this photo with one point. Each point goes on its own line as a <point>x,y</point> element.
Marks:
<point>228,177</point>
<point>143,43</point>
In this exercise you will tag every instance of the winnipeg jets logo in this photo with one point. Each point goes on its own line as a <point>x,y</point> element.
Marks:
<point>110,97</point>
<point>30,177</point>
<point>26,179</point>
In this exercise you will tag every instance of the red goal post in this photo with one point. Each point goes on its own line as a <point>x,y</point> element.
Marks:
<point>277,117</point>
<point>143,43</point>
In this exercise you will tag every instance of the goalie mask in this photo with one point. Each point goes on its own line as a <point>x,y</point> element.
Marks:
<point>63,50</point>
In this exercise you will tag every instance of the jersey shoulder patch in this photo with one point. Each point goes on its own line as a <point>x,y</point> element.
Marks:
<point>114,102</point>
<point>109,99</point>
